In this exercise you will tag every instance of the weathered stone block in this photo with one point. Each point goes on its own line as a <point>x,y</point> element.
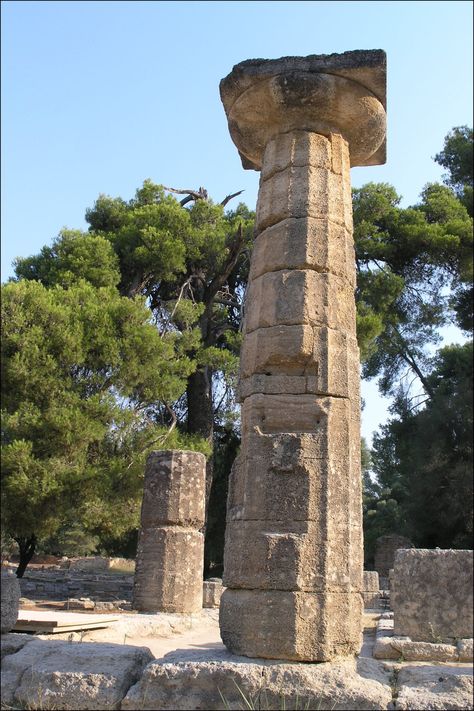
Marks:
<point>332,368</point>
<point>10,596</point>
<point>370,581</point>
<point>285,350</point>
<point>168,575</point>
<point>328,418</point>
<point>173,489</point>
<point>291,625</point>
<point>302,191</point>
<point>297,148</point>
<point>292,297</point>
<point>216,680</point>
<point>308,556</point>
<point>211,593</point>
<point>291,477</point>
<point>60,675</point>
<point>433,687</point>
<point>432,594</point>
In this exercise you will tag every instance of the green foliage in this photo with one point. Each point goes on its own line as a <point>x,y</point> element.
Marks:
<point>412,269</point>
<point>83,370</point>
<point>457,158</point>
<point>422,462</point>
<point>73,256</point>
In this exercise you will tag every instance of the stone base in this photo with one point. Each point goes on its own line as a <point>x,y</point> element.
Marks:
<point>276,624</point>
<point>390,646</point>
<point>216,679</point>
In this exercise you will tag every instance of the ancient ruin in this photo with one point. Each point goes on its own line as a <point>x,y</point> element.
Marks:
<point>170,554</point>
<point>385,550</point>
<point>293,554</point>
<point>432,596</point>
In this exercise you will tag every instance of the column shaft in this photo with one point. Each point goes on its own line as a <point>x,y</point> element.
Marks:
<point>293,555</point>
<point>170,555</point>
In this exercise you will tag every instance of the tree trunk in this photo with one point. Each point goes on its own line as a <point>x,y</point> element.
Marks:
<point>201,416</point>
<point>27,548</point>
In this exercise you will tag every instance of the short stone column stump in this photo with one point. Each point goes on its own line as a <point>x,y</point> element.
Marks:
<point>170,554</point>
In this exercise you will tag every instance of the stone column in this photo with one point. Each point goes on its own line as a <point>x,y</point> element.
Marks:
<point>170,554</point>
<point>293,554</point>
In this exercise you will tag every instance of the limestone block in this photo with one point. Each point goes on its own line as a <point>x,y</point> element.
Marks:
<point>10,596</point>
<point>432,595</point>
<point>332,369</point>
<point>293,477</point>
<point>433,687</point>
<point>211,593</point>
<point>217,679</point>
<point>196,685</point>
<point>297,148</point>
<point>304,243</point>
<point>60,675</point>
<point>370,581</point>
<point>291,625</point>
<point>293,297</point>
<point>168,576</point>
<point>88,564</point>
<point>308,556</point>
<point>274,385</point>
<point>285,350</point>
<point>174,489</point>
<point>424,651</point>
<point>302,191</point>
<point>328,418</point>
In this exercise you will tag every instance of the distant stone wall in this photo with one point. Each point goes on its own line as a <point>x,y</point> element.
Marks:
<point>58,585</point>
<point>432,595</point>
<point>98,564</point>
<point>386,547</point>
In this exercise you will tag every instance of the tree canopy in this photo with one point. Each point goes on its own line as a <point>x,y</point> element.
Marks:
<point>83,370</point>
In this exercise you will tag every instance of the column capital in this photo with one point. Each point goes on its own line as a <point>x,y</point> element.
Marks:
<point>326,94</point>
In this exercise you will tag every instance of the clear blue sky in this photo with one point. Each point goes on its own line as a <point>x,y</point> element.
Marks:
<point>98,96</point>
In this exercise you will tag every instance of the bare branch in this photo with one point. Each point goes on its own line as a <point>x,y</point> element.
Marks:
<point>180,296</point>
<point>228,198</point>
<point>199,194</point>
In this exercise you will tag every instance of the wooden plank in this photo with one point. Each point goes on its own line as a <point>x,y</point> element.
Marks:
<point>56,621</point>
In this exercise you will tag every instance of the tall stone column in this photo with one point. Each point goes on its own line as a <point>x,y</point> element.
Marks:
<point>170,554</point>
<point>293,553</point>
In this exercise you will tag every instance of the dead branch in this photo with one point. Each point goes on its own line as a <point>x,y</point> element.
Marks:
<point>199,194</point>
<point>228,198</point>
